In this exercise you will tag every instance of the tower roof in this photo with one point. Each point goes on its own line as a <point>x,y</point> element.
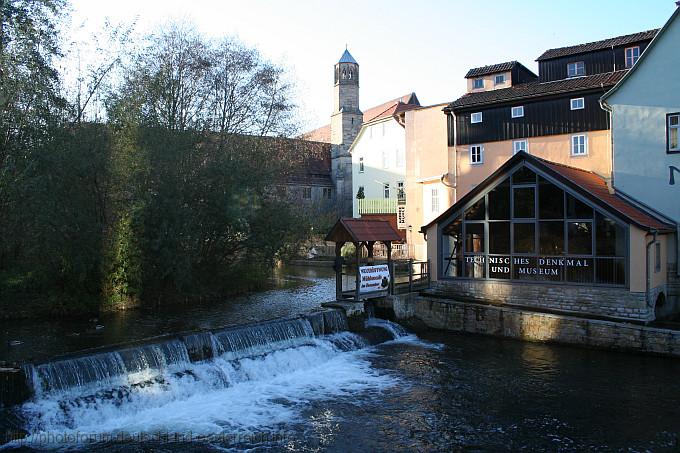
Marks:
<point>347,58</point>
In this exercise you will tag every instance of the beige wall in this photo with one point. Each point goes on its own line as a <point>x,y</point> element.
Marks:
<point>555,148</point>
<point>432,254</point>
<point>638,249</point>
<point>489,82</point>
<point>426,161</point>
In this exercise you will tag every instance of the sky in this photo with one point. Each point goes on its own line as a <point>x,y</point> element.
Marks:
<point>424,46</point>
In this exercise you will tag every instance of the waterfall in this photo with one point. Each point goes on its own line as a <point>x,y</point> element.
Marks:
<point>237,378</point>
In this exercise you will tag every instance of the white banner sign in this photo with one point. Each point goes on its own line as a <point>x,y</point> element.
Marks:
<point>374,278</point>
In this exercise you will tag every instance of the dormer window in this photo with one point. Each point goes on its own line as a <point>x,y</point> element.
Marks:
<point>576,69</point>
<point>499,79</point>
<point>632,56</point>
<point>476,117</point>
<point>477,84</point>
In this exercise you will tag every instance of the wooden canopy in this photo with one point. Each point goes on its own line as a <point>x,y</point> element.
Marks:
<point>362,230</point>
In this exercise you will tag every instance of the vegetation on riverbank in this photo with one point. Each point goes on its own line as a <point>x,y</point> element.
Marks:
<point>147,180</point>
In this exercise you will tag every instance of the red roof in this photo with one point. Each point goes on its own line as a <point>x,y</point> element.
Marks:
<point>586,183</point>
<point>320,134</point>
<point>362,230</point>
<point>384,110</point>
<point>597,187</point>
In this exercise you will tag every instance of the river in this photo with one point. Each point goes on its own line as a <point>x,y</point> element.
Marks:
<point>436,391</point>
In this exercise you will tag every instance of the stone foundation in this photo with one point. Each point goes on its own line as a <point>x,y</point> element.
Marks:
<point>510,322</point>
<point>610,302</point>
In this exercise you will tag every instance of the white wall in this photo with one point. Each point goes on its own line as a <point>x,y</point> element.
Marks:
<point>375,139</point>
<point>640,105</point>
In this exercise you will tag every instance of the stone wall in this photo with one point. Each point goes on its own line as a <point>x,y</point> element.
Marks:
<point>533,326</point>
<point>612,302</point>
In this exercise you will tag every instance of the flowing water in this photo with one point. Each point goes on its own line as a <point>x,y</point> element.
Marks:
<point>305,384</point>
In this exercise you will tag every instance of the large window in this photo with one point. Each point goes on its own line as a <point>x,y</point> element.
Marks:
<point>528,228</point>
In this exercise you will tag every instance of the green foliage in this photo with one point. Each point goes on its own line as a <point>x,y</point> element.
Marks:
<point>170,200</point>
<point>360,193</point>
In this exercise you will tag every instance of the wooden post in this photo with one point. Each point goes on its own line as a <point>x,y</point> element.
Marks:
<point>390,266</point>
<point>369,246</point>
<point>410,275</point>
<point>429,274</point>
<point>357,246</point>
<point>338,270</point>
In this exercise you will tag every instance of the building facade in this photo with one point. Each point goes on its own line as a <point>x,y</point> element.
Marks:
<point>645,111</point>
<point>546,214</point>
<point>555,115</point>
<point>428,190</point>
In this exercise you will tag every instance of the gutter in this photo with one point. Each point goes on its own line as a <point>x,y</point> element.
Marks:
<point>608,108</point>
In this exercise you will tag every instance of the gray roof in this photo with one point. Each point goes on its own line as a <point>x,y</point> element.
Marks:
<point>598,45</point>
<point>347,58</point>
<point>484,70</point>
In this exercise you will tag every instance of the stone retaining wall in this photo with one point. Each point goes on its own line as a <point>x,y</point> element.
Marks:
<point>607,301</point>
<point>534,326</point>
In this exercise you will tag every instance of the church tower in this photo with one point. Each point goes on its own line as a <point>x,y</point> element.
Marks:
<point>345,125</point>
<point>346,118</point>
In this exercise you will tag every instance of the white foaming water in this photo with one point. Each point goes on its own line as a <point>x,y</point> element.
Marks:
<point>400,334</point>
<point>222,395</point>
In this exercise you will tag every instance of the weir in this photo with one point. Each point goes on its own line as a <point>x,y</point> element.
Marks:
<point>105,390</point>
<point>134,364</point>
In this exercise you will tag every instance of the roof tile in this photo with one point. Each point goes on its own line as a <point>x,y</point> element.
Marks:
<point>598,45</point>
<point>536,89</point>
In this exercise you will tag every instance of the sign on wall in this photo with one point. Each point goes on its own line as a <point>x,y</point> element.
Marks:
<point>374,278</point>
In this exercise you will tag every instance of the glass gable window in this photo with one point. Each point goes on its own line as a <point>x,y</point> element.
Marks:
<point>528,228</point>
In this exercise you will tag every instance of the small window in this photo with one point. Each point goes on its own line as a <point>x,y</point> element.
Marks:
<point>517,112</point>
<point>476,154</point>
<point>434,194</point>
<point>476,117</point>
<point>520,145</point>
<point>477,84</point>
<point>361,165</point>
<point>577,104</point>
<point>673,134</point>
<point>401,193</point>
<point>401,217</point>
<point>632,56</point>
<point>307,193</point>
<point>399,158</point>
<point>383,129</point>
<point>499,79</point>
<point>657,257</point>
<point>579,145</point>
<point>576,69</point>
<point>327,193</point>
<point>386,190</point>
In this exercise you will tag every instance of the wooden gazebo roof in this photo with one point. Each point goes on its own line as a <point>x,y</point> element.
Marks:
<point>362,230</point>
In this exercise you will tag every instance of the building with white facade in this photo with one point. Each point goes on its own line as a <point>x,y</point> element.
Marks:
<point>379,159</point>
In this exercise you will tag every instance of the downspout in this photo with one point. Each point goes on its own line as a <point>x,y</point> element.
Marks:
<point>648,282</point>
